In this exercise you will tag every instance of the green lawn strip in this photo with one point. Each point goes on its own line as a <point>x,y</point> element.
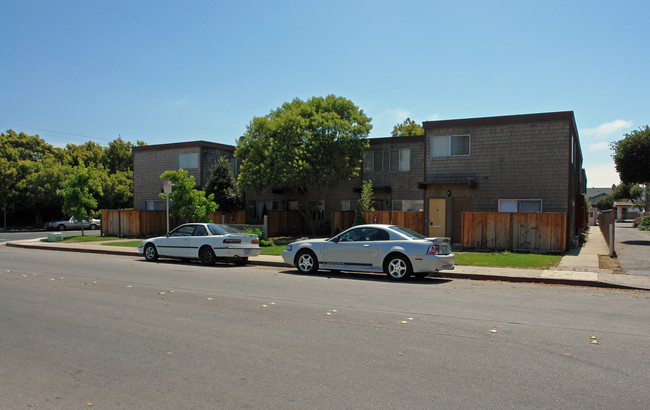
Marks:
<point>128,244</point>
<point>507,259</point>
<point>275,250</point>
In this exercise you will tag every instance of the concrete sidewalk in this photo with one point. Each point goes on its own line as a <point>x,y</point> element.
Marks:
<point>578,267</point>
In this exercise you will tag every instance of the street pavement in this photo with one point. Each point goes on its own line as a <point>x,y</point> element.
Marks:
<point>578,267</point>
<point>633,249</point>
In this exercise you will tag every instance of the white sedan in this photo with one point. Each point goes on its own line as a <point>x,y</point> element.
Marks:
<point>397,251</point>
<point>203,241</point>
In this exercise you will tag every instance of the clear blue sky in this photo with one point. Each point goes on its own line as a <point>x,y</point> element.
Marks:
<point>163,71</point>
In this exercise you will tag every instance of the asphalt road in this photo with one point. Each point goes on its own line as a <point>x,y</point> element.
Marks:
<point>633,249</point>
<point>119,332</point>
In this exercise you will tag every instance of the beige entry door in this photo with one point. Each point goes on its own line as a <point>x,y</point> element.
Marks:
<point>437,215</point>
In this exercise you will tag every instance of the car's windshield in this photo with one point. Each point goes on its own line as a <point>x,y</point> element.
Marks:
<point>222,229</point>
<point>411,234</point>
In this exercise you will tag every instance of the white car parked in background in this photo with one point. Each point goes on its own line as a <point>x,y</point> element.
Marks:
<point>397,251</point>
<point>203,241</point>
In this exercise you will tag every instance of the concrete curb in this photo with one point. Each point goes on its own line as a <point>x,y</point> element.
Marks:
<point>488,274</point>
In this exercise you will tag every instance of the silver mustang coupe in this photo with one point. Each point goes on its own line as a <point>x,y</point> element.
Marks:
<point>205,242</point>
<point>397,251</point>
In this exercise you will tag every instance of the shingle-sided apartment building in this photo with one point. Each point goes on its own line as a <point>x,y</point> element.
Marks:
<point>150,161</point>
<point>518,163</point>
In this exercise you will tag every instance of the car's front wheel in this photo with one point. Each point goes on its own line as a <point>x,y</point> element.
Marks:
<point>306,262</point>
<point>397,267</point>
<point>150,252</point>
<point>93,227</point>
<point>206,254</point>
<point>61,228</point>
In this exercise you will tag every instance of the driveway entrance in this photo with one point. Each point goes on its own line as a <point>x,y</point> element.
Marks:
<point>633,249</point>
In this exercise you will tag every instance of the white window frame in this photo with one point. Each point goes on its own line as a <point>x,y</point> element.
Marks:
<point>403,160</point>
<point>188,161</point>
<point>448,150</point>
<point>515,205</point>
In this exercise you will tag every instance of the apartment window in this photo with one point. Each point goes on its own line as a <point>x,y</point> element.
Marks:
<point>372,161</point>
<point>408,205</point>
<point>318,212</point>
<point>446,146</point>
<point>154,205</point>
<point>188,161</point>
<point>347,204</point>
<point>520,205</point>
<point>400,160</point>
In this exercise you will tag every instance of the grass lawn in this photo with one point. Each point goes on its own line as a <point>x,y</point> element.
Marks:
<point>128,244</point>
<point>507,259</point>
<point>275,250</point>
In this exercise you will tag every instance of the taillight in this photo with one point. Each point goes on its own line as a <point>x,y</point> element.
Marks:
<point>255,241</point>
<point>232,241</point>
<point>433,250</point>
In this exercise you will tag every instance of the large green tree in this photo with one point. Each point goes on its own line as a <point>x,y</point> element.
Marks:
<point>632,158</point>
<point>223,185</point>
<point>408,127</point>
<point>303,145</point>
<point>187,202</point>
<point>79,192</point>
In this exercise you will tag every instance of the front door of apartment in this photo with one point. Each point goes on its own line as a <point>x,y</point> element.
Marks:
<point>437,216</point>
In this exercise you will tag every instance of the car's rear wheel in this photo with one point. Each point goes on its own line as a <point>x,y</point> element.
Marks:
<point>61,228</point>
<point>93,227</point>
<point>206,254</point>
<point>150,252</point>
<point>306,262</point>
<point>398,267</point>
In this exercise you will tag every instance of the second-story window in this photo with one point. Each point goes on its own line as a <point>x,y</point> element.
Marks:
<point>447,146</point>
<point>372,161</point>
<point>188,161</point>
<point>400,160</point>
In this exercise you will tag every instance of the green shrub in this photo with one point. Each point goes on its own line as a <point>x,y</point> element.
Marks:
<point>258,232</point>
<point>644,225</point>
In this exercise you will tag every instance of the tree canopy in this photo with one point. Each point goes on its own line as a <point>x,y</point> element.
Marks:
<point>187,202</point>
<point>32,171</point>
<point>408,127</point>
<point>223,185</point>
<point>632,157</point>
<point>303,145</point>
<point>78,193</point>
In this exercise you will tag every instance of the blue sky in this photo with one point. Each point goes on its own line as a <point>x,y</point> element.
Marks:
<point>163,71</point>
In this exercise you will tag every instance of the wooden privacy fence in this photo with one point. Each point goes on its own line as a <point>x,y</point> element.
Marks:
<point>120,222</point>
<point>129,223</point>
<point>607,223</point>
<point>284,222</point>
<point>413,220</point>
<point>518,231</point>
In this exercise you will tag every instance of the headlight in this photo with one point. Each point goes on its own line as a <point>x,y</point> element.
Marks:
<point>289,247</point>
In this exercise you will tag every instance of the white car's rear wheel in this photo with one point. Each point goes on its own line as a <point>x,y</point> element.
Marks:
<point>206,254</point>
<point>306,262</point>
<point>397,267</point>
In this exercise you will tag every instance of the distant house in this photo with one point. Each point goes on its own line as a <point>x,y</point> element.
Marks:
<point>150,161</point>
<point>594,194</point>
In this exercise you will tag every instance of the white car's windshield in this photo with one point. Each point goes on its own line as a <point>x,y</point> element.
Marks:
<point>411,234</point>
<point>222,229</point>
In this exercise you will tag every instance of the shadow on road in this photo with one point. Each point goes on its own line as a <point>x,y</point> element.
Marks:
<point>364,276</point>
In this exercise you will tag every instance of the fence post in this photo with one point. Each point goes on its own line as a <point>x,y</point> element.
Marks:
<point>265,233</point>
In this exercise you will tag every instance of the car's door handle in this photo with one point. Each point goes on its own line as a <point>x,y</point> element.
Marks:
<point>366,245</point>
